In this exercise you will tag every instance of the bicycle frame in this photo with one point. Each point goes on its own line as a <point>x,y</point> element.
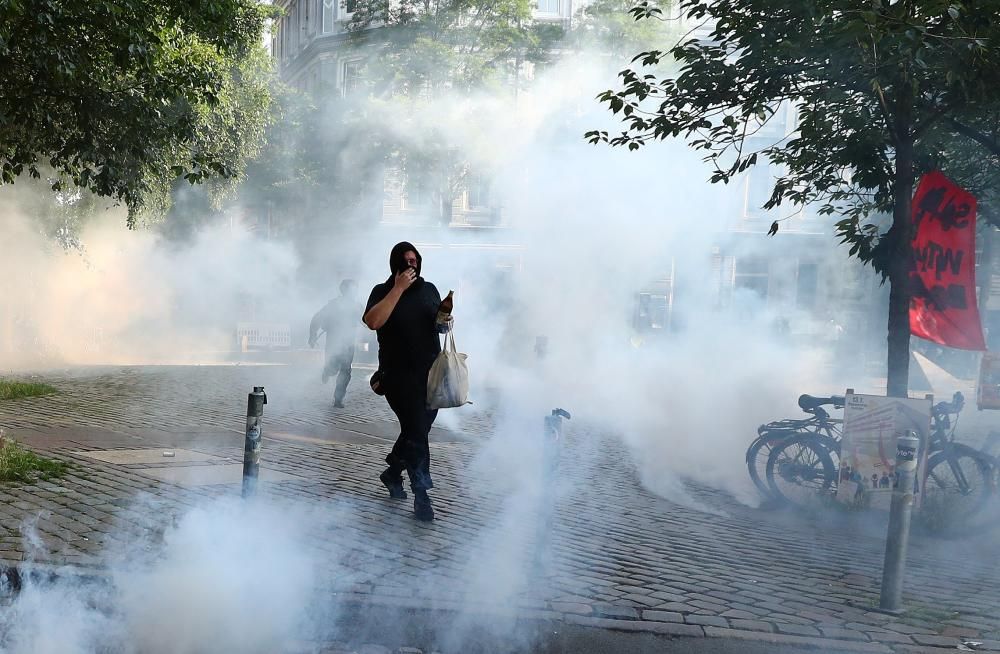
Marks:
<point>820,424</point>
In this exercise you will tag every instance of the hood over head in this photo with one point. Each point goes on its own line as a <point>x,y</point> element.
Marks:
<point>396,262</point>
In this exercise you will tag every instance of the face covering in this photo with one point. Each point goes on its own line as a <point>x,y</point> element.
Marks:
<point>396,262</point>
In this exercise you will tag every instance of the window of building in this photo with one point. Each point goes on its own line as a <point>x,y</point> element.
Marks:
<point>752,275</point>
<point>478,193</point>
<point>548,6</point>
<point>347,8</point>
<point>760,184</point>
<point>329,16</point>
<point>352,77</point>
<point>806,285</point>
<point>413,196</point>
<point>280,36</point>
<point>652,311</point>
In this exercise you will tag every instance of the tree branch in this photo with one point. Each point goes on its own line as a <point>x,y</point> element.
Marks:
<point>979,137</point>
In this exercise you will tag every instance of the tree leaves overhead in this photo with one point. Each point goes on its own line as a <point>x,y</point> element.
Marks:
<point>851,68</point>
<point>120,97</point>
<point>883,91</point>
<point>427,47</point>
<point>611,26</point>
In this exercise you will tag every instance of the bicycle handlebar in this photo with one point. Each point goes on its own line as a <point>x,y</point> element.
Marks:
<point>808,403</point>
<point>942,409</point>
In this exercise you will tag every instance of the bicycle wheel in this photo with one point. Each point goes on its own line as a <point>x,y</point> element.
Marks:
<point>759,451</point>
<point>757,455</point>
<point>799,470</point>
<point>958,484</point>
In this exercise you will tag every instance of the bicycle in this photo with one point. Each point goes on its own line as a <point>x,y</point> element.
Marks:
<point>772,434</point>
<point>808,463</point>
<point>959,478</point>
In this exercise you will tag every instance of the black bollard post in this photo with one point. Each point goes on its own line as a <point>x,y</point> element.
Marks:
<point>552,441</point>
<point>251,446</point>
<point>553,436</point>
<point>894,566</point>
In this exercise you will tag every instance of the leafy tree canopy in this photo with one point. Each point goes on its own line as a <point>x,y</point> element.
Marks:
<point>608,27</point>
<point>866,77</point>
<point>883,90</point>
<point>118,97</point>
<point>426,47</point>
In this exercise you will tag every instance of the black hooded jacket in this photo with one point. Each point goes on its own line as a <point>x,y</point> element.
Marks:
<point>408,341</point>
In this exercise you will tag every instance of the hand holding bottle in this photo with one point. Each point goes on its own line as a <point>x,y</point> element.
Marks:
<point>446,326</point>
<point>445,321</point>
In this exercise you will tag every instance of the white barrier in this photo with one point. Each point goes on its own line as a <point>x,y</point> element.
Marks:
<point>264,335</point>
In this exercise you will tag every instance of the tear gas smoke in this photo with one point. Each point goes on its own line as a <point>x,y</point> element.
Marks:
<point>133,297</point>
<point>228,576</point>
<point>589,228</point>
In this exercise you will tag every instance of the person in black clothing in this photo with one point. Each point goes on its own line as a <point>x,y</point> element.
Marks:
<point>403,312</point>
<point>336,319</point>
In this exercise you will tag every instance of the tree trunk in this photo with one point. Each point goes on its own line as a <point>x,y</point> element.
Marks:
<point>900,262</point>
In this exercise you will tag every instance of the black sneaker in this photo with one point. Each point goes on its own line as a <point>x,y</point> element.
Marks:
<point>393,484</point>
<point>422,509</point>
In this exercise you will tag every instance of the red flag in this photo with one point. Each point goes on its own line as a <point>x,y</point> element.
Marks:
<point>943,275</point>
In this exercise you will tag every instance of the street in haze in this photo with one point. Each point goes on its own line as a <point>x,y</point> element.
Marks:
<point>617,558</point>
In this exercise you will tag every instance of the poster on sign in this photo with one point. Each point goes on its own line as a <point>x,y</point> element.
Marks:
<point>868,448</point>
<point>943,306</point>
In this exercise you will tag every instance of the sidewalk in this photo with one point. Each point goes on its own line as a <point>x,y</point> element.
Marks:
<point>615,557</point>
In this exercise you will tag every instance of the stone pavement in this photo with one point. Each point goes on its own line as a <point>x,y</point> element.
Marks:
<point>613,556</point>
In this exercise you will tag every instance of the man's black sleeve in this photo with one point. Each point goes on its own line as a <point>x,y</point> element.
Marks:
<point>377,295</point>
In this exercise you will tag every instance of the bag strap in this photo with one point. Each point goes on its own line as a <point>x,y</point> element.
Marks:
<point>449,341</point>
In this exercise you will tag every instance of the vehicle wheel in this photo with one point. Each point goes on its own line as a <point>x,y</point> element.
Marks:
<point>757,455</point>
<point>957,486</point>
<point>800,470</point>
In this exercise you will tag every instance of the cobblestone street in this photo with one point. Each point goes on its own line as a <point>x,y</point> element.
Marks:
<point>614,556</point>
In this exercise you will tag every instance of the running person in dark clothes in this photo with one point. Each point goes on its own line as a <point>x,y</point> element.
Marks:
<point>337,320</point>
<point>403,312</point>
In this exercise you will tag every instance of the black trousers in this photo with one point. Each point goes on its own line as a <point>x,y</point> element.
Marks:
<point>407,396</point>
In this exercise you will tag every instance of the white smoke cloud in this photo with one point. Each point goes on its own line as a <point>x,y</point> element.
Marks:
<point>596,225</point>
<point>229,576</point>
<point>590,227</point>
<point>132,297</point>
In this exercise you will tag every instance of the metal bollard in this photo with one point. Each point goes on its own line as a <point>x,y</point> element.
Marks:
<point>251,446</point>
<point>894,566</point>
<point>553,436</point>
<point>552,441</point>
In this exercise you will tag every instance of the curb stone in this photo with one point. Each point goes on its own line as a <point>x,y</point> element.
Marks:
<point>664,628</point>
<point>427,609</point>
<point>803,641</point>
<point>927,649</point>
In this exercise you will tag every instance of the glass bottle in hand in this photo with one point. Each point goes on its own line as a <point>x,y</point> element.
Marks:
<point>444,310</point>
